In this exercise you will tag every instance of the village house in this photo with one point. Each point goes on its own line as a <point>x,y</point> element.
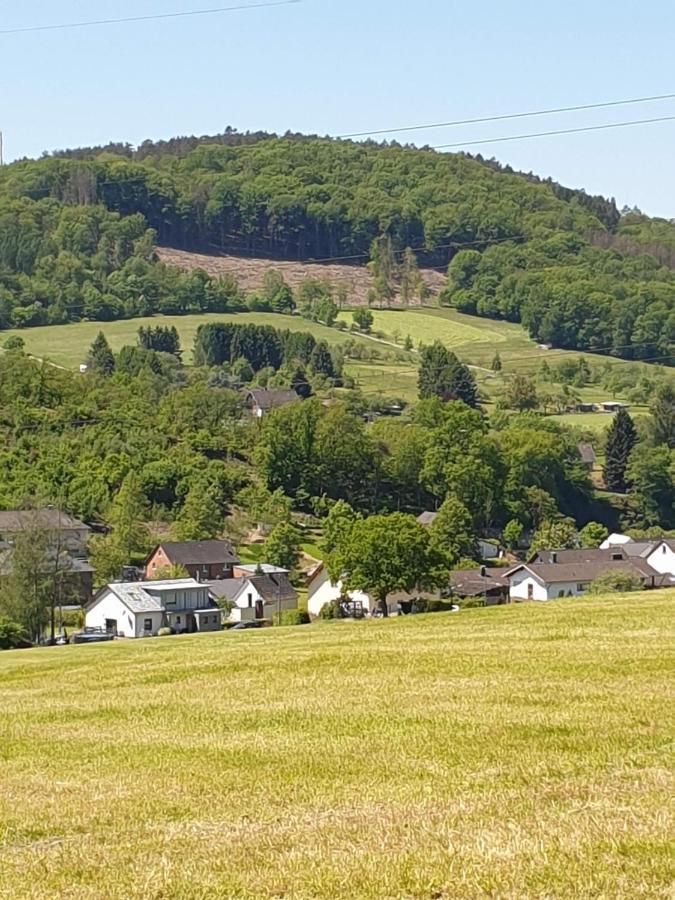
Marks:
<point>486,582</point>
<point>321,590</point>
<point>140,609</point>
<point>261,401</point>
<point>67,538</point>
<point>547,581</point>
<point>255,596</point>
<point>203,560</point>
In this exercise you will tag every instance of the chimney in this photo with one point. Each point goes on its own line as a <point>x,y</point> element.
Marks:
<point>554,556</point>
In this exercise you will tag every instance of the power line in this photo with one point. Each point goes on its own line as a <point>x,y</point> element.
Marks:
<point>522,137</point>
<point>521,115</point>
<point>149,18</point>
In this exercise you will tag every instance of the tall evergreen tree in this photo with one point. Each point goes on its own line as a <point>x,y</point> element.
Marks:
<point>321,361</point>
<point>442,375</point>
<point>621,439</point>
<point>100,358</point>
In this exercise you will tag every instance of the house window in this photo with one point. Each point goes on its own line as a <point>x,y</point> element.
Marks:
<point>178,620</point>
<point>581,587</point>
<point>250,600</point>
<point>215,620</point>
<point>561,593</point>
<point>530,592</point>
<point>147,625</point>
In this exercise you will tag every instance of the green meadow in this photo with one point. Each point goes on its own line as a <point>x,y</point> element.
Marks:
<point>517,752</point>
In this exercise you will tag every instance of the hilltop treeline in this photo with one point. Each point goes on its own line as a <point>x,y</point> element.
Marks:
<point>76,233</point>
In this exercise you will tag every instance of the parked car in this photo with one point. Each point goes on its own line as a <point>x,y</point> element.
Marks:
<point>92,635</point>
<point>241,626</point>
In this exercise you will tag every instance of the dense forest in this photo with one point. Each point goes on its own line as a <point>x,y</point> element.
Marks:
<point>77,232</point>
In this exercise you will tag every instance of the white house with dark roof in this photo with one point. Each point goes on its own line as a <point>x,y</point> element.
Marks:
<point>140,609</point>
<point>255,596</point>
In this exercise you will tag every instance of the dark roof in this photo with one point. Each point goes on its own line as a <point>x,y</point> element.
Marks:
<point>470,583</point>
<point>15,520</point>
<point>273,587</point>
<point>583,554</point>
<point>586,452</point>
<point>199,553</point>
<point>71,565</point>
<point>265,399</point>
<point>640,548</point>
<point>426,518</point>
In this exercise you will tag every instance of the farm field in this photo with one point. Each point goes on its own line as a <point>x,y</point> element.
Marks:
<point>521,751</point>
<point>67,345</point>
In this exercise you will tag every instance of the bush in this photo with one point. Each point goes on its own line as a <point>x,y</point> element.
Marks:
<point>14,343</point>
<point>291,617</point>
<point>430,605</point>
<point>471,603</point>
<point>615,583</point>
<point>165,632</point>
<point>12,635</point>
<point>330,610</point>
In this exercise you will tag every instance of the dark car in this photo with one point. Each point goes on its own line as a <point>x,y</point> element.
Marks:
<point>91,635</point>
<point>241,626</point>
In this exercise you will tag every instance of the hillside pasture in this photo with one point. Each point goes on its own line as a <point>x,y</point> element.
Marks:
<point>521,751</point>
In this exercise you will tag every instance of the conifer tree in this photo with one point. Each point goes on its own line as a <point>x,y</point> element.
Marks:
<point>101,359</point>
<point>321,361</point>
<point>662,426</point>
<point>621,439</point>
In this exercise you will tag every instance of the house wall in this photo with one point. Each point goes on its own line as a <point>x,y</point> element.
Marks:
<point>519,585</point>
<point>244,610</point>
<point>663,560</point>
<point>159,560</point>
<point>322,591</point>
<point>181,598</point>
<point>108,606</point>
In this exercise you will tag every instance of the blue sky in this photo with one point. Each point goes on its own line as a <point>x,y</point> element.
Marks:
<point>338,66</point>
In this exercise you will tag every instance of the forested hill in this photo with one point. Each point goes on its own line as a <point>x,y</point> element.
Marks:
<point>73,230</point>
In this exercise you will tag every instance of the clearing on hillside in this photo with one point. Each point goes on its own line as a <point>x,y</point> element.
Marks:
<point>249,271</point>
<point>522,751</point>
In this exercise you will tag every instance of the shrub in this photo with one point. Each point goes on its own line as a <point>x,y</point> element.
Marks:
<point>330,610</point>
<point>430,605</point>
<point>292,617</point>
<point>615,583</point>
<point>165,632</point>
<point>470,603</point>
<point>14,343</point>
<point>12,635</point>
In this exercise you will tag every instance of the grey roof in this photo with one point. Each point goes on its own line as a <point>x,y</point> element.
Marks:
<point>15,520</point>
<point>139,597</point>
<point>426,518</point>
<point>470,583</point>
<point>640,548</point>
<point>132,595</point>
<point>70,564</point>
<point>265,399</point>
<point>586,452</point>
<point>273,587</point>
<point>225,588</point>
<point>199,553</point>
<point>583,554</point>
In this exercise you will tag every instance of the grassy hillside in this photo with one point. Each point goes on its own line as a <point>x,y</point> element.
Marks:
<point>517,752</point>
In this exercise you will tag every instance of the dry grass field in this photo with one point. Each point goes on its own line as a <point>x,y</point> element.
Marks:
<point>517,752</point>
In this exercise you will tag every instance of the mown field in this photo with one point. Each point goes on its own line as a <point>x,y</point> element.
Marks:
<point>516,752</point>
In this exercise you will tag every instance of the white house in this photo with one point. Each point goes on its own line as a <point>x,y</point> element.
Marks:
<point>547,581</point>
<point>321,590</point>
<point>257,596</point>
<point>140,609</point>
